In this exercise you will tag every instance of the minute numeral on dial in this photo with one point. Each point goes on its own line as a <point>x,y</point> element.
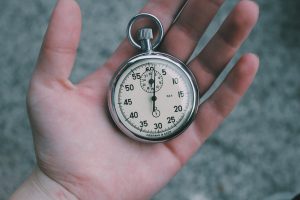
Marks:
<point>129,87</point>
<point>175,81</point>
<point>127,102</point>
<point>177,108</point>
<point>171,120</point>
<point>143,123</point>
<point>149,68</point>
<point>136,76</point>
<point>157,126</point>
<point>134,115</point>
<point>180,94</point>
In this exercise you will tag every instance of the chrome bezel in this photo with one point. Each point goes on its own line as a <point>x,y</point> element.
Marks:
<point>145,56</point>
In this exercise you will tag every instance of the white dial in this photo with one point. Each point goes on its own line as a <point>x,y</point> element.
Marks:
<point>154,99</point>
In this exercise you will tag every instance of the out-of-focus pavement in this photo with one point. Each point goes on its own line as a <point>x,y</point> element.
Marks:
<point>253,155</point>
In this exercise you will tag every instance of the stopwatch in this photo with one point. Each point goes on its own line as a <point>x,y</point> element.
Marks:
<point>153,97</point>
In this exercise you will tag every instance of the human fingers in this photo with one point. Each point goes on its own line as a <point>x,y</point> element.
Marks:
<point>185,33</point>
<point>213,111</point>
<point>60,44</point>
<point>225,43</point>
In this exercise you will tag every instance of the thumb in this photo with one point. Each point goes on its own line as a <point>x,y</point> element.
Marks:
<point>61,41</point>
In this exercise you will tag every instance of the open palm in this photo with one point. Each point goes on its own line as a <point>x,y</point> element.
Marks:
<point>79,147</point>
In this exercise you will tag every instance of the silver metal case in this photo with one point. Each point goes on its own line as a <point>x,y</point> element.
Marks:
<point>145,56</point>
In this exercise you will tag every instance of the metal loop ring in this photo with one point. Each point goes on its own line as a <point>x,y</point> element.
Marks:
<point>154,19</point>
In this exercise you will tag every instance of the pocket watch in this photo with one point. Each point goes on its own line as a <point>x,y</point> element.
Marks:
<point>153,97</point>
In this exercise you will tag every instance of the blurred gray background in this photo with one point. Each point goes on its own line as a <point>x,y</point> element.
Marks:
<point>253,155</point>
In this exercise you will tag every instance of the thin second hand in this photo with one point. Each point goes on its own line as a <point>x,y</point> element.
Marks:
<point>154,97</point>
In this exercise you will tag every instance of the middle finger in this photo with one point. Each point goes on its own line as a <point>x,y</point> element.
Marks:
<point>185,33</point>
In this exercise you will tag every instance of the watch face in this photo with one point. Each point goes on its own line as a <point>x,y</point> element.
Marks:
<point>153,98</point>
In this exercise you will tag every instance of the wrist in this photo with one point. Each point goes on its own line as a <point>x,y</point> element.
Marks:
<point>39,186</point>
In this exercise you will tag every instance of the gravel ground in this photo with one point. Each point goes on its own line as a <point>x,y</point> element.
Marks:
<point>253,155</point>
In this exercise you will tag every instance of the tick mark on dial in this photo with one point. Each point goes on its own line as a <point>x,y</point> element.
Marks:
<point>174,124</point>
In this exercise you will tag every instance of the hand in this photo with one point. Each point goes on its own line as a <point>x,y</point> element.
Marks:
<point>78,147</point>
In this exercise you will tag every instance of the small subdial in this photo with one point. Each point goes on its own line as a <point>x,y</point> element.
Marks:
<point>151,79</point>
